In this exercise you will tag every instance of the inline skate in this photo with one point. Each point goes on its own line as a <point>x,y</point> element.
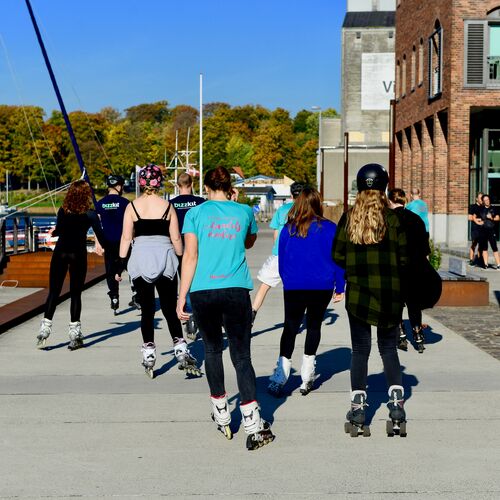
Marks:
<point>149,358</point>
<point>221,415</point>
<point>186,361</point>
<point>419,338</point>
<point>307,373</point>
<point>257,429</point>
<point>44,332</point>
<point>280,376</point>
<point>75,335</point>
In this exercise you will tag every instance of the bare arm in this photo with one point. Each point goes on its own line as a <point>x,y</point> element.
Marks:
<point>250,240</point>
<point>189,261</point>
<point>126,239</point>
<point>175,235</point>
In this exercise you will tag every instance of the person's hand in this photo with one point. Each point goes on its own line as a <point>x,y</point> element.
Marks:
<point>99,250</point>
<point>118,277</point>
<point>181,314</point>
<point>338,297</point>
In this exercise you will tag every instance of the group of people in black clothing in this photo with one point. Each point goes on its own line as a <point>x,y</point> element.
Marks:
<point>375,251</point>
<point>484,220</point>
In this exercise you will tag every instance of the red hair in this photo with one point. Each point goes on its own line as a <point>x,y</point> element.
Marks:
<point>78,199</point>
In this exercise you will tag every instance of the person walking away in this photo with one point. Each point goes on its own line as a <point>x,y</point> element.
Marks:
<point>151,227</point>
<point>475,233</point>
<point>418,250</point>
<point>74,219</point>
<point>111,209</point>
<point>182,203</point>
<point>310,280</point>
<point>488,216</point>
<point>419,207</point>
<point>268,274</point>
<point>215,269</point>
<point>370,244</point>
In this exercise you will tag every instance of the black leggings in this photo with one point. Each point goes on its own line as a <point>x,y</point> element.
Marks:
<point>167,293</point>
<point>361,338</point>
<point>297,302</point>
<point>414,315</point>
<point>110,258</point>
<point>61,262</point>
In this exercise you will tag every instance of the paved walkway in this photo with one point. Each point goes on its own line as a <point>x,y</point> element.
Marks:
<point>90,424</point>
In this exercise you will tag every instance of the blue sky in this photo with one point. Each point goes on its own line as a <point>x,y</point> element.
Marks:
<point>277,53</point>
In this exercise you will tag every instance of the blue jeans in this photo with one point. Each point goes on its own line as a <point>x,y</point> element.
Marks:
<point>232,308</point>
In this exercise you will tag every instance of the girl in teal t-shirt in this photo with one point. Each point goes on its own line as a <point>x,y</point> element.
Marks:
<point>215,272</point>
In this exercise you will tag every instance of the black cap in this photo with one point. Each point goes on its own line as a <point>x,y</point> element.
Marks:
<point>372,176</point>
<point>115,180</point>
<point>296,188</point>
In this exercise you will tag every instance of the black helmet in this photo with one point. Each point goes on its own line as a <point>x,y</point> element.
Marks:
<point>114,180</point>
<point>372,176</point>
<point>296,188</point>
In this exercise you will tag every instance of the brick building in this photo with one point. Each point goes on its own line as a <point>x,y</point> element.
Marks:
<point>448,107</point>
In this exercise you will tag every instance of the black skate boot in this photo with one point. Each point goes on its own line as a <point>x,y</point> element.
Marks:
<point>403,341</point>
<point>397,414</point>
<point>134,303</point>
<point>191,328</point>
<point>115,303</point>
<point>356,415</point>
<point>419,338</point>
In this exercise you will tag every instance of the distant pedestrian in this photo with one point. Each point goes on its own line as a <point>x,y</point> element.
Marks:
<point>310,280</point>
<point>268,274</point>
<point>151,227</point>
<point>370,244</point>
<point>111,209</point>
<point>488,217</point>
<point>216,271</point>
<point>74,219</point>
<point>182,203</point>
<point>419,207</point>
<point>475,233</point>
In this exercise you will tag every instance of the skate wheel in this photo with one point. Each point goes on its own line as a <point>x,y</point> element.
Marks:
<point>347,427</point>
<point>402,429</point>
<point>366,431</point>
<point>228,432</point>
<point>150,373</point>
<point>41,343</point>
<point>354,431</point>
<point>389,427</point>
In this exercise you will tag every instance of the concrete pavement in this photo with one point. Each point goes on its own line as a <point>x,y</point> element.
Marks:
<point>90,423</point>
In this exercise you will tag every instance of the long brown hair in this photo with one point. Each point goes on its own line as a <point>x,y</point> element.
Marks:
<point>219,179</point>
<point>306,208</point>
<point>78,199</point>
<point>365,220</point>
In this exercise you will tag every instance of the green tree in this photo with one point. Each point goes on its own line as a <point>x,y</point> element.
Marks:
<point>240,154</point>
<point>156,112</point>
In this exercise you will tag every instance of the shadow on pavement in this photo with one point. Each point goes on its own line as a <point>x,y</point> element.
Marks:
<point>497,295</point>
<point>377,392</point>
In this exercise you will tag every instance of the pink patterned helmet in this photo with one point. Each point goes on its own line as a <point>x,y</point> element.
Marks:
<point>150,176</point>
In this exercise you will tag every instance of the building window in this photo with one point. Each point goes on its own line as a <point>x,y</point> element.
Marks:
<point>421,62</point>
<point>403,77</point>
<point>413,67</point>
<point>436,62</point>
<point>398,80</point>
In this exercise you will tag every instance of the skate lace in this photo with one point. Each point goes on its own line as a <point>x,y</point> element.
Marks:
<point>359,406</point>
<point>397,402</point>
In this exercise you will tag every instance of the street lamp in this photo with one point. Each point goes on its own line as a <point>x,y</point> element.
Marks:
<point>319,161</point>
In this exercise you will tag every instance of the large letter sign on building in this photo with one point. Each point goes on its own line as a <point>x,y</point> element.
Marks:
<point>377,81</point>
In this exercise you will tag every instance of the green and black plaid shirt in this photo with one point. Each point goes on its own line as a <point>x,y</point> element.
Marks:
<point>373,273</point>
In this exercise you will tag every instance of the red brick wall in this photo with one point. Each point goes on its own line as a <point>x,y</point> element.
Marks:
<point>445,166</point>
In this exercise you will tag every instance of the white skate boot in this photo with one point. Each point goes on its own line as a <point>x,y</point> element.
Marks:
<point>43,334</point>
<point>184,358</point>
<point>75,335</point>
<point>258,430</point>
<point>221,415</point>
<point>149,358</point>
<point>280,376</point>
<point>308,373</point>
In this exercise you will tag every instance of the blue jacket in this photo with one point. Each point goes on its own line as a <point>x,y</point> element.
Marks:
<point>307,263</point>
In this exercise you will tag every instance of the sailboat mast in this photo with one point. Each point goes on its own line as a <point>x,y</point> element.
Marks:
<point>74,143</point>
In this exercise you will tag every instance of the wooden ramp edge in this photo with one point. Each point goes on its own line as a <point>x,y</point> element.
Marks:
<point>20,310</point>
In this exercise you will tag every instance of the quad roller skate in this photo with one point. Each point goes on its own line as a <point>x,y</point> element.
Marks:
<point>356,416</point>
<point>402,341</point>
<point>280,376</point>
<point>307,372</point>
<point>221,415</point>
<point>75,335</point>
<point>43,334</point>
<point>134,303</point>
<point>149,358</point>
<point>115,303</point>
<point>419,338</point>
<point>191,328</point>
<point>397,423</point>
<point>186,361</point>
<point>258,430</point>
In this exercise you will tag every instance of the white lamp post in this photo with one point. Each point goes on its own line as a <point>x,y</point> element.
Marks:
<point>319,166</point>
